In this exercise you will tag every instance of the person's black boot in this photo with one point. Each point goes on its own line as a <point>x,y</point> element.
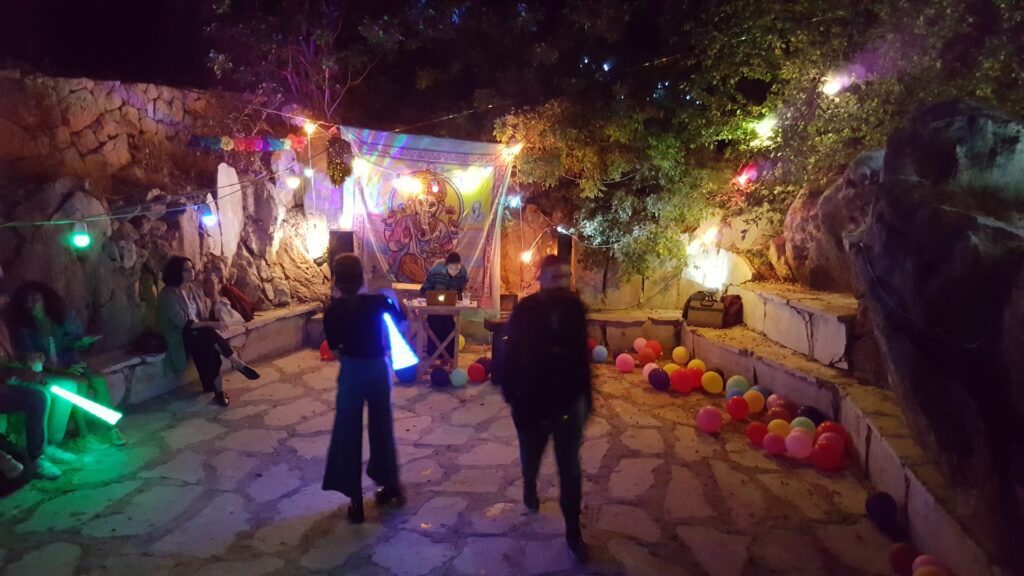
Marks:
<point>222,398</point>
<point>390,495</point>
<point>531,500</point>
<point>355,511</point>
<point>579,548</point>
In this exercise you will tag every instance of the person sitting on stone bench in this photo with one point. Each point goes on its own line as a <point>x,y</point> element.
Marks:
<point>42,326</point>
<point>185,321</point>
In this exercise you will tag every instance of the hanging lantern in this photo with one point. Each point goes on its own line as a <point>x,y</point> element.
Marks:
<point>339,160</point>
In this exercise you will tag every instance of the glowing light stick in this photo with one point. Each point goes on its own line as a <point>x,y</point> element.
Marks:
<point>102,412</point>
<point>402,355</point>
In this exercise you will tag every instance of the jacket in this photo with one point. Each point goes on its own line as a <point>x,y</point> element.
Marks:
<point>172,319</point>
<point>439,279</point>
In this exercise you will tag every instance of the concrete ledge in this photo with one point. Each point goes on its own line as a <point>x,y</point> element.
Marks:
<point>618,329</point>
<point>882,441</point>
<point>816,324</point>
<point>135,379</point>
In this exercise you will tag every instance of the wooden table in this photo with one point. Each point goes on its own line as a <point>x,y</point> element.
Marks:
<point>406,291</point>
<point>419,332</point>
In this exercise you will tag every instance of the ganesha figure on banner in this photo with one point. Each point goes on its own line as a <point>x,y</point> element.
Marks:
<point>422,224</point>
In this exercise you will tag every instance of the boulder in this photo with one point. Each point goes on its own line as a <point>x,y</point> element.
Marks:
<point>941,261</point>
<point>230,208</point>
<point>80,110</point>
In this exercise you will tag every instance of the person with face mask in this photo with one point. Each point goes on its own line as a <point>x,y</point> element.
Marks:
<point>185,320</point>
<point>450,275</point>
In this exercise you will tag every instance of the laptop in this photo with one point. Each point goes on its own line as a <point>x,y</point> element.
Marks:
<point>441,298</point>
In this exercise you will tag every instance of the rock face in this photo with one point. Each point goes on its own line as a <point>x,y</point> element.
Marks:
<point>941,261</point>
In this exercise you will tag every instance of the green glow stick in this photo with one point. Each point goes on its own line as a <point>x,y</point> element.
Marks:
<point>102,412</point>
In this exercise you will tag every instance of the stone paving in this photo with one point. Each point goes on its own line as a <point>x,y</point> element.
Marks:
<point>205,491</point>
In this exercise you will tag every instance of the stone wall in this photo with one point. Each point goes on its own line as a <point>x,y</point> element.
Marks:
<point>72,149</point>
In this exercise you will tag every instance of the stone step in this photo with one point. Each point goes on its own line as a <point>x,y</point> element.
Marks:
<point>818,325</point>
<point>883,444</point>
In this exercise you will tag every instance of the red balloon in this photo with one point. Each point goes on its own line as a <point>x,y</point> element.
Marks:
<point>901,559</point>
<point>756,431</point>
<point>645,356</point>
<point>738,408</point>
<point>591,344</point>
<point>477,373</point>
<point>779,413</point>
<point>679,381</point>
<point>655,346</point>
<point>774,444</point>
<point>836,440</point>
<point>830,426</point>
<point>826,456</point>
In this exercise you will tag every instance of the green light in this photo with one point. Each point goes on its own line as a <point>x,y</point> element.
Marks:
<point>102,412</point>
<point>765,129</point>
<point>80,236</point>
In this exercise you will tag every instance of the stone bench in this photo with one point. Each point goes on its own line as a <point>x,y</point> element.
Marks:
<point>135,379</point>
<point>618,329</point>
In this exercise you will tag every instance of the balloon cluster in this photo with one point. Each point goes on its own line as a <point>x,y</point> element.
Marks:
<point>476,373</point>
<point>249,143</point>
<point>807,437</point>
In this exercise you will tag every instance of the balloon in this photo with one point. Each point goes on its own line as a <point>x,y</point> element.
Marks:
<point>439,378</point>
<point>679,381</point>
<point>486,363</point>
<point>774,444</point>
<point>737,408</point>
<point>658,379</point>
<point>831,426</point>
<point>697,364</point>
<point>671,368</point>
<point>762,390</point>
<point>834,439</point>
<point>737,382</point>
<point>775,401</point>
<point>779,427</point>
<point>625,363</point>
<point>754,400</point>
<point>709,419</point>
<point>647,369</point>
<point>645,356</point>
<point>656,347</point>
<point>803,422</point>
<point>680,355</point>
<point>756,432</point>
<point>883,511</point>
<point>459,377</point>
<point>476,372</point>
<point>812,413</point>
<point>325,352</point>
<point>798,444</point>
<point>931,571</point>
<point>779,413</point>
<point>901,559</point>
<point>639,344</point>
<point>711,381</point>
<point>826,457</point>
<point>730,394</point>
<point>926,561</point>
<point>407,375</point>
<point>591,344</point>
<point>462,341</point>
<point>600,354</point>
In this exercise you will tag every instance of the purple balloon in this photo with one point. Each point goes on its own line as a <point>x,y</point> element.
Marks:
<point>440,378</point>
<point>659,379</point>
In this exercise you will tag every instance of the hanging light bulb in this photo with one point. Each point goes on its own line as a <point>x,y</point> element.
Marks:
<point>80,238</point>
<point>309,127</point>
<point>515,201</point>
<point>308,172</point>
<point>293,182</point>
<point>207,216</point>
<point>527,256</point>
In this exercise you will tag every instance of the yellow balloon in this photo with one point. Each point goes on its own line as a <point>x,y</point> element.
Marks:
<point>780,427</point>
<point>462,341</point>
<point>711,381</point>
<point>680,355</point>
<point>697,364</point>
<point>670,368</point>
<point>754,400</point>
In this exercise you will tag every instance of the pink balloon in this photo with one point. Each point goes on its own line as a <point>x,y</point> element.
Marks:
<point>709,420</point>
<point>625,363</point>
<point>647,369</point>
<point>799,444</point>
<point>926,560</point>
<point>774,401</point>
<point>774,444</point>
<point>639,344</point>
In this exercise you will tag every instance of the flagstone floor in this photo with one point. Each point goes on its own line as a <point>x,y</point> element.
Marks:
<point>203,491</point>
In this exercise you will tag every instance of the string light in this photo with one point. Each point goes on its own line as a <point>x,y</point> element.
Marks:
<point>207,216</point>
<point>765,129</point>
<point>80,237</point>
<point>526,256</point>
<point>308,172</point>
<point>293,182</point>
<point>309,127</point>
<point>746,176</point>
<point>515,201</point>
<point>512,151</point>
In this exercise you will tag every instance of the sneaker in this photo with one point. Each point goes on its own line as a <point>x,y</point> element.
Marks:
<point>46,470</point>
<point>355,512</point>
<point>244,368</point>
<point>10,467</point>
<point>222,398</point>
<point>117,437</point>
<point>59,456</point>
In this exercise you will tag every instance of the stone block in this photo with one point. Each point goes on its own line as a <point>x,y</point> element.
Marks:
<point>788,326</point>
<point>151,380</point>
<point>853,419</point>
<point>314,331</point>
<point>937,533</point>
<point>799,388</point>
<point>664,333</point>
<point>622,334</point>
<point>884,468</point>
<point>274,339</point>
<point>595,330</point>
<point>730,360</point>
<point>829,338</point>
<point>753,307</point>
<point>117,383</point>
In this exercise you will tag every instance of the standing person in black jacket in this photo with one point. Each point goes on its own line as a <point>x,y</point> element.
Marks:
<point>354,327</point>
<point>546,380</point>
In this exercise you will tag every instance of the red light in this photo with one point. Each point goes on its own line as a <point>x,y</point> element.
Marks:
<point>747,175</point>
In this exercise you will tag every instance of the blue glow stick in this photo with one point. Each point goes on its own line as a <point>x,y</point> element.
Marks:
<point>402,355</point>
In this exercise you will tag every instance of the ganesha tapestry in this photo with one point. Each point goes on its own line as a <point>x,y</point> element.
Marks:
<point>419,198</point>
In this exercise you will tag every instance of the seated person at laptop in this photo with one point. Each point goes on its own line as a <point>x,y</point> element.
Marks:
<point>450,275</point>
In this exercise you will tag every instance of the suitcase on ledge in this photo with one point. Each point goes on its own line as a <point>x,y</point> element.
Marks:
<point>702,310</point>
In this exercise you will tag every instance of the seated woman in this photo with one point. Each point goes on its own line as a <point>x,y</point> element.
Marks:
<point>450,275</point>
<point>185,320</point>
<point>42,326</point>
